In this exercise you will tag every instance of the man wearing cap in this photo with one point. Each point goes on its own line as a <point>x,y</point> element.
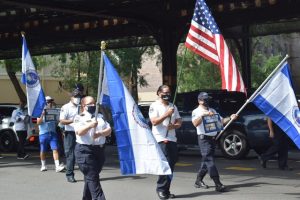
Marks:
<point>165,118</point>
<point>207,143</point>
<point>48,136</point>
<point>67,114</point>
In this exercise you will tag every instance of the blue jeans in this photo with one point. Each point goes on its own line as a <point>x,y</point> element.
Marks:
<point>69,145</point>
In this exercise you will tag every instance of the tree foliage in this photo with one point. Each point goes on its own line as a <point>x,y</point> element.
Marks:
<point>197,73</point>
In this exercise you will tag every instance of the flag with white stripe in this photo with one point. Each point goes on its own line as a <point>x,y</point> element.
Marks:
<point>35,96</point>
<point>278,101</point>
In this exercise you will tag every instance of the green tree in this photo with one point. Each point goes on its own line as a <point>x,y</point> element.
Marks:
<point>197,73</point>
<point>267,52</point>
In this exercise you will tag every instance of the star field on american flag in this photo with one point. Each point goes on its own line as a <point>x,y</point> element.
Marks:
<point>204,17</point>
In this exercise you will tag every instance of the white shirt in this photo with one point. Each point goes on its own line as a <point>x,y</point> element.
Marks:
<point>68,111</point>
<point>160,131</point>
<point>81,120</point>
<point>199,112</point>
<point>18,117</point>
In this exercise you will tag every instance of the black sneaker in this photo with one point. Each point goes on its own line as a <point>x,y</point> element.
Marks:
<point>200,184</point>
<point>162,195</point>
<point>221,188</point>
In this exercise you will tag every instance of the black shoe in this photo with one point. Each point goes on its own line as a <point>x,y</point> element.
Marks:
<point>200,184</point>
<point>162,195</point>
<point>71,179</point>
<point>220,188</point>
<point>171,196</point>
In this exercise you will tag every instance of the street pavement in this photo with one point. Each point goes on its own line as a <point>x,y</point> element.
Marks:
<point>22,179</point>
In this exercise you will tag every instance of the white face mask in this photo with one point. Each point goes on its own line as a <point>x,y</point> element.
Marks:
<point>76,101</point>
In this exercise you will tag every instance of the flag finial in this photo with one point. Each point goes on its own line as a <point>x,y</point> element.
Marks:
<point>103,45</point>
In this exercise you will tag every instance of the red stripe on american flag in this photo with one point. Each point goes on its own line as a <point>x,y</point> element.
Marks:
<point>230,73</point>
<point>221,57</point>
<point>202,33</point>
<point>205,56</point>
<point>203,44</point>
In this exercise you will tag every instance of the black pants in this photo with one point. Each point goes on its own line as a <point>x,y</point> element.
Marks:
<point>69,145</point>
<point>90,160</point>
<point>22,135</point>
<point>207,149</point>
<point>60,142</point>
<point>279,146</point>
<point>171,152</point>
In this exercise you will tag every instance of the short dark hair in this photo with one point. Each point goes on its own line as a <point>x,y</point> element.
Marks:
<point>160,88</point>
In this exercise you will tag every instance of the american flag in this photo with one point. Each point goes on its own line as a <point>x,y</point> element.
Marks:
<point>205,39</point>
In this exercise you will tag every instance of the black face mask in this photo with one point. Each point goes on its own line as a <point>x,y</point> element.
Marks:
<point>91,109</point>
<point>206,102</point>
<point>166,97</point>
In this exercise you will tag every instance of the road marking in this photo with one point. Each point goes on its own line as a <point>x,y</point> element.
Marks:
<point>183,164</point>
<point>241,168</point>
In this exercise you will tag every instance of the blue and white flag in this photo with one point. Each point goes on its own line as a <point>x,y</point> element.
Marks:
<point>278,101</point>
<point>35,96</point>
<point>138,150</point>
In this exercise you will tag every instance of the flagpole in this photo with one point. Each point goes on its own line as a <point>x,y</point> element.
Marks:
<point>179,77</point>
<point>254,94</point>
<point>102,47</point>
<point>176,90</point>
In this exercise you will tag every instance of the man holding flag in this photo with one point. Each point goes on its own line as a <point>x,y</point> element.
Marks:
<point>165,118</point>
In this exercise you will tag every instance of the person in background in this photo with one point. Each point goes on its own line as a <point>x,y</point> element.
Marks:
<point>67,114</point>
<point>279,146</point>
<point>48,135</point>
<point>20,120</point>
<point>207,142</point>
<point>165,118</point>
<point>89,150</point>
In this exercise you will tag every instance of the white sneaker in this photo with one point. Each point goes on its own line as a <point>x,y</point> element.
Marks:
<point>59,168</point>
<point>43,168</point>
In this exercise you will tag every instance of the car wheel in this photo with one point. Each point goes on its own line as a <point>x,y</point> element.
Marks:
<point>234,145</point>
<point>7,141</point>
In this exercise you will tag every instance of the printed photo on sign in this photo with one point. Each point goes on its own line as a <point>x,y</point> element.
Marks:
<point>52,114</point>
<point>212,123</point>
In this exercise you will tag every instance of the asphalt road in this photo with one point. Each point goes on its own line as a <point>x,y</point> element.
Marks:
<point>22,179</point>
